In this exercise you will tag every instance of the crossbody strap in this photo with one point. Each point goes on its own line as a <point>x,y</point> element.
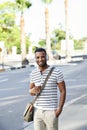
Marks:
<point>46,79</point>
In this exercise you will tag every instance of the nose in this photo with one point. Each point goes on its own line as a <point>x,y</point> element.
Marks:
<point>40,59</point>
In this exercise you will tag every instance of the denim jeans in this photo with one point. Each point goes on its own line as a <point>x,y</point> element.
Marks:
<point>45,120</point>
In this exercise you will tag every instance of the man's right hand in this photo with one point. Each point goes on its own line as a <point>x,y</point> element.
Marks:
<point>35,90</point>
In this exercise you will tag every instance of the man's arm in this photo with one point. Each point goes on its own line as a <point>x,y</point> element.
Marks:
<point>31,87</point>
<point>62,89</point>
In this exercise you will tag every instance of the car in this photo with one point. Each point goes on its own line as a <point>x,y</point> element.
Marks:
<point>55,55</point>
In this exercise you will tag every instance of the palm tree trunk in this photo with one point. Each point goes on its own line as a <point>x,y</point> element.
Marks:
<point>23,43</point>
<point>47,31</point>
<point>67,53</point>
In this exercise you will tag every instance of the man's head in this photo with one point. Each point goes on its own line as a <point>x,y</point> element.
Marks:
<point>41,57</point>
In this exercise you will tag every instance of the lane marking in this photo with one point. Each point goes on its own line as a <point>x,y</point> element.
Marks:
<point>77,86</point>
<point>7,89</point>
<point>25,80</point>
<point>71,80</point>
<point>10,100</point>
<point>4,80</point>
<point>12,97</point>
<point>74,100</point>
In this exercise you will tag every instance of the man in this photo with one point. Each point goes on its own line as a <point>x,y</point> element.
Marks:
<point>47,106</point>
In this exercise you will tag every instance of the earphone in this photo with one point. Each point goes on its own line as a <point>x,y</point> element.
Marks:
<point>47,57</point>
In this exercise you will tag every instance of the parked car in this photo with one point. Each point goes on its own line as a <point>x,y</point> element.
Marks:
<point>55,55</point>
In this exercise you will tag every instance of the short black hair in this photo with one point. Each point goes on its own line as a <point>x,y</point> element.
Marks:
<point>40,50</point>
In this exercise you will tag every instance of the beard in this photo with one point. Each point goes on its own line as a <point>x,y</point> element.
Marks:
<point>42,64</point>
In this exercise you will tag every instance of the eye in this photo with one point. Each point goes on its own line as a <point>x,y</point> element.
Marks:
<point>37,57</point>
<point>42,56</point>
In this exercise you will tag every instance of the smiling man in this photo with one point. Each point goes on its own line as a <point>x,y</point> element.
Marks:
<point>47,106</point>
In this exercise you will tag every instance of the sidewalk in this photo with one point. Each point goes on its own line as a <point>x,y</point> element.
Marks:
<point>15,63</point>
<point>73,117</point>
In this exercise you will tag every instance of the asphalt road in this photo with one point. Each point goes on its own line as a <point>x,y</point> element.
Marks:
<point>14,86</point>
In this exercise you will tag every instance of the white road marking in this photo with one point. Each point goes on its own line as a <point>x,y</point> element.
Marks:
<point>7,100</point>
<point>25,80</point>
<point>7,89</point>
<point>77,86</point>
<point>74,100</point>
<point>4,80</point>
<point>10,102</point>
<point>12,97</point>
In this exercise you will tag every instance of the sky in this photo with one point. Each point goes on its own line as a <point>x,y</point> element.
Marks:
<point>35,18</point>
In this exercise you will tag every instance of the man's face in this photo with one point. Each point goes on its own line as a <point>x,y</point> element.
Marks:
<point>41,58</point>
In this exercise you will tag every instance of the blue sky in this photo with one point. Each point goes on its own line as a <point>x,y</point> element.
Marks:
<point>34,18</point>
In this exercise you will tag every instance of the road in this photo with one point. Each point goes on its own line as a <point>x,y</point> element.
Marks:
<point>14,86</point>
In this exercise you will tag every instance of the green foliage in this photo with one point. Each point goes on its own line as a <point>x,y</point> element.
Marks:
<point>42,43</point>
<point>47,1</point>
<point>23,4</point>
<point>7,14</point>
<point>9,32</point>
<point>11,38</point>
<point>58,35</point>
<point>78,44</point>
<point>7,23</point>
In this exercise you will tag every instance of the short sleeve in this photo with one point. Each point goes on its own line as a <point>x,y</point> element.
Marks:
<point>60,76</point>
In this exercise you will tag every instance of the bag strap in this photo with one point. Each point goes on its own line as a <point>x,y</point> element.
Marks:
<point>46,79</point>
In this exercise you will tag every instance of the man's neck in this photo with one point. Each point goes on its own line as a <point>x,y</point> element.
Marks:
<point>43,68</point>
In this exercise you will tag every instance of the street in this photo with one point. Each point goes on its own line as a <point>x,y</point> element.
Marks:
<point>14,87</point>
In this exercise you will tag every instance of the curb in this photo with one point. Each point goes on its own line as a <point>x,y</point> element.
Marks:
<point>1,70</point>
<point>12,68</point>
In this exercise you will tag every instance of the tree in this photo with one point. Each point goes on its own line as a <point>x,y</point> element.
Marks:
<point>48,44</point>
<point>7,22</point>
<point>9,31</point>
<point>23,4</point>
<point>7,15</point>
<point>58,35</point>
<point>68,56</point>
<point>42,43</point>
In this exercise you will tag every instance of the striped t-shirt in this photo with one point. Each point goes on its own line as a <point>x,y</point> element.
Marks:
<point>48,99</point>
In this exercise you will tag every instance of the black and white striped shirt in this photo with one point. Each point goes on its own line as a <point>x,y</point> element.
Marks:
<point>48,99</point>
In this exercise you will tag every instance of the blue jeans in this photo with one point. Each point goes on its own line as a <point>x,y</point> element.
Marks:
<point>45,119</point>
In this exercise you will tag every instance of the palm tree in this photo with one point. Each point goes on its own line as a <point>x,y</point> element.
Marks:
<point>22,4</point>
<point>68,57</point>
<point>48,45</point>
